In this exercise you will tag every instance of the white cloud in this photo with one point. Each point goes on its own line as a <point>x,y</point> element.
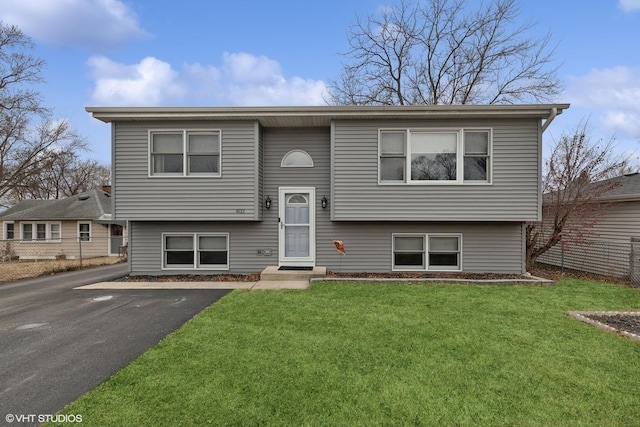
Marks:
<point>629,5</point>
<point>99,24</point>
<point>150,82</point>
<point>241,79</point>
<point>612,95</point>
<point>257,80</point>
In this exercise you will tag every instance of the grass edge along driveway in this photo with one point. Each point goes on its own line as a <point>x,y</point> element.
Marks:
<point>385,354</point>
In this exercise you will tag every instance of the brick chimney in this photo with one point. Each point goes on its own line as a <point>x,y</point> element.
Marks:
<point>106,189</point>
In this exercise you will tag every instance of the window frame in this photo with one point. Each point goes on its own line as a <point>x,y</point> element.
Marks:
<point>381,155</point>
<point>80,233</point>
<point>34,231</point>
<point>5,230</point>
<point>426,252</point>
<point>460,156</point>
<point>195,265</point>
<point>308,158</point>
<point>459,252</point>
<point>185,154</point>
<point>394,267</point>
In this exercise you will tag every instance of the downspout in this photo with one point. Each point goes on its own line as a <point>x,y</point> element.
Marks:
<point>552,115</point>
<point>545,125</point>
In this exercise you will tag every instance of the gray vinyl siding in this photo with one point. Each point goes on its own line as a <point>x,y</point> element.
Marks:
<point>513,194</point>
<point>486,247</point>
<point>316,142</point>
<point>620,222</point>
<point>259,179</point>
<point>366,214</point>
<point>607,249</point>
<point>233,196</point>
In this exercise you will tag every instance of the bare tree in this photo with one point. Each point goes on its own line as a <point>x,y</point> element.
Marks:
<point>442,52</point>
<point>575,178</point>
<point>64,176</point>
<point>29,137</point>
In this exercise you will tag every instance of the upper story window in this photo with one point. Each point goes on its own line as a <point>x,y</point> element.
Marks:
<point>428,156</point>
<point>184,153</point>
<point>296,159</point>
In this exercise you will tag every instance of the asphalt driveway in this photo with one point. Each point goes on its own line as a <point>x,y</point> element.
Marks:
<point>57,343</point>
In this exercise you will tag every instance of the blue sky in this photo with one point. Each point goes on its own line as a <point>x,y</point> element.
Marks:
<point>245,52</point>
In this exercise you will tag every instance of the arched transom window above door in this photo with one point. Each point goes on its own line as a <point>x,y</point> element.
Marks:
<point>296,159</point>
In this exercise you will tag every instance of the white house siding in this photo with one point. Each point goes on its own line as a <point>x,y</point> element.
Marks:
<point>512,196</point>
<point>607,249</point>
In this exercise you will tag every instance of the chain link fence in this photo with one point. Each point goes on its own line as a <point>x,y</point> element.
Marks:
<point>609,258</point>
<point>21,259</point>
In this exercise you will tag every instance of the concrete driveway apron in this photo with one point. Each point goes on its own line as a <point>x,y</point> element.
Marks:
<point>57,343</point>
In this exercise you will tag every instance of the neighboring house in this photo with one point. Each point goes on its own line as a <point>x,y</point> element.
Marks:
<point>612,245</point>
<point>411,188</point>
<point>50,229</point>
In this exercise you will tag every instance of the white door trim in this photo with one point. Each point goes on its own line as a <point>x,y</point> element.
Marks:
<point>283,260</point>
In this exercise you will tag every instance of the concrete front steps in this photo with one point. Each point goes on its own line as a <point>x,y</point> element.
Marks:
<point>272,278</point>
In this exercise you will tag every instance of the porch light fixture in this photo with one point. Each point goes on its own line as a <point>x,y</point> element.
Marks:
<point>267,203</point>
<point>324,202</point>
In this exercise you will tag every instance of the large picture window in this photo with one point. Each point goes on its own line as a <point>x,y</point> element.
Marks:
<point>434,156</point>
<point>427,252</point>
<point>184,153</point>
<point>204,251</point>
<point>456,156</point>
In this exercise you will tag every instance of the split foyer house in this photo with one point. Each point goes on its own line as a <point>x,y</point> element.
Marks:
<point>406,188</point>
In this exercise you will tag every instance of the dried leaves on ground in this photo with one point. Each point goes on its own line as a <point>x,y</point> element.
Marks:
<point>18,270</point>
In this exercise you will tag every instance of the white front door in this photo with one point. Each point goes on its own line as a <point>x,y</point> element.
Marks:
<point>297,234</point>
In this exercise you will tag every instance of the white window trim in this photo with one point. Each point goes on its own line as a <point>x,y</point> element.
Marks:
<point>425,236</point>
<point>194,266</point>
<point>185,161</point>
<point>393,252</point>
<point>436,268</point>
<point>5,230</point>
<point>34,232</point>
<point>90,230</point>
<point>459,156</point>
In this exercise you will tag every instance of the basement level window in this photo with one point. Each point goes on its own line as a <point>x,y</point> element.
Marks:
<point>204,251</point>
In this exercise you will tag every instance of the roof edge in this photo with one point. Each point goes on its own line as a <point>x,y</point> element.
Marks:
<point>110,114</point>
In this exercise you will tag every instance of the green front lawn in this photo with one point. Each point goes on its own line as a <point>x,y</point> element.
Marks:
<point>385,354</point>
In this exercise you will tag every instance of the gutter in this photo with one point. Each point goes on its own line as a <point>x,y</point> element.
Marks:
<point>554,113</point>
<point>323,115</point>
